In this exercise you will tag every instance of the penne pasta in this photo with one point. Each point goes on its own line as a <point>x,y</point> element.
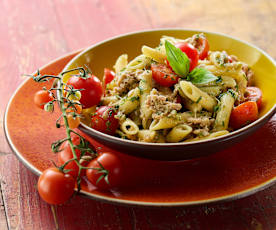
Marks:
<point>225,107</point>
<point>178,133</point>
<point>157,98</point>
<point>197,96</point>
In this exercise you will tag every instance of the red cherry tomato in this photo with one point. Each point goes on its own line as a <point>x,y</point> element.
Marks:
<point>254,94</point>
<point>110,176</point>
<point>202,46</point>
<point>190,51</point>
<point>42,97</point>
<point>109,75</point>
<point>104,120</point>
<point>92,89</point>
<point>244,114</point>
<point>163,75</point>
<point>66,154</point>
<point>55,187</point>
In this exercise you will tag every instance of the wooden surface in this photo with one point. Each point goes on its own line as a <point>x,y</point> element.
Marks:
<point>35,32</point>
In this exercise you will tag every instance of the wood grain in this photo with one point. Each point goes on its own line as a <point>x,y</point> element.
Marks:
<point>3,217</point>
<point>35,32</point>
<point>31,39</point>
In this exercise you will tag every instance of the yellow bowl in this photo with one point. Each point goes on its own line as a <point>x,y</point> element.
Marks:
<point>104,54</point>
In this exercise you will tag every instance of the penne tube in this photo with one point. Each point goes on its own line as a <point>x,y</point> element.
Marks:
<point>198,96</point>
<point>178,133</point>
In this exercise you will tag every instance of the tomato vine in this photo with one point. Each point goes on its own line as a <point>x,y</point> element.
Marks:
<point>64,95</point>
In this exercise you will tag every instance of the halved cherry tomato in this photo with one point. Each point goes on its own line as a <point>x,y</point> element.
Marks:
<point>163,75</point>
<point>244,114</point>
<point>109,75</point>
<point>254,94</point>
<point>42,97</point>
<point>55,187</point>
<point>110,176</point>
<point>104,121</point>
<point>91,92</point>
<point>202,46</point>
<point>190,51</point>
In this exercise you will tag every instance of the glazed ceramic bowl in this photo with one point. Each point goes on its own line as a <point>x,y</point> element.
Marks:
<point>104,54</point>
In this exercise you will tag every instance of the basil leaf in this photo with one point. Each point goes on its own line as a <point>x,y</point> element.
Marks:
<point>201,76</point>
<point>178,60</point>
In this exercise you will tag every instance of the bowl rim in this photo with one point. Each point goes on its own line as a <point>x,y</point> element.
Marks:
<point>232,134</point>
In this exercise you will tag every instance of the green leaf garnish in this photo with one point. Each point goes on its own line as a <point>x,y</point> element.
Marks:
<point>178,60</point>
<point>201,76</point>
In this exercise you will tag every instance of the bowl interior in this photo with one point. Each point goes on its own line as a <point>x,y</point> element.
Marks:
<point>104,54</point>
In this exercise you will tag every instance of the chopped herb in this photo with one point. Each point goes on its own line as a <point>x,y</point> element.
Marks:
<point>245,76</point>
<point>198,100</point>
<point>123,69</point>
<point>219,79</point>
<point>110,112</point>
<point>233,94</point>
<point>223,123</point>
<point>216,108</point>
<point>141,89</point>
<point>134,98</point>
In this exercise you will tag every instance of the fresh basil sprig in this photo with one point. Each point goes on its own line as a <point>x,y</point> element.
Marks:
<point>178,60</point>
<point>201,76</point>
<point>180,64</point>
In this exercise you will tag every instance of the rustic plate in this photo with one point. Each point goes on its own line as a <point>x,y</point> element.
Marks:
<point>239,171</point>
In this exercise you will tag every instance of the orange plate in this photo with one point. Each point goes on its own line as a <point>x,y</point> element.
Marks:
<point>234,173</point>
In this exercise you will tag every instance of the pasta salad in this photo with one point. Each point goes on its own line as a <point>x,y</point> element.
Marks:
<point>179,91</point>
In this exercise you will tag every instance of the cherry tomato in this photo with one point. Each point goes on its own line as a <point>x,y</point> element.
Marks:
<point>163,75</point>
<point>244,114</point>
<point>202,46</point>
<point>92,89</point>
<point>42,97</point>
<point>109,75</point>
<point>110,176</point>
<point>66,154</point>
<point>55,187</point>
<point>254,94</point>
<point>190,51</point>
<point>73,121</point>
<point>104,120</point>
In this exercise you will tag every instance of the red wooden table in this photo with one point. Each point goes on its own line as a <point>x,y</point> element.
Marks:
<point>34,32</point>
